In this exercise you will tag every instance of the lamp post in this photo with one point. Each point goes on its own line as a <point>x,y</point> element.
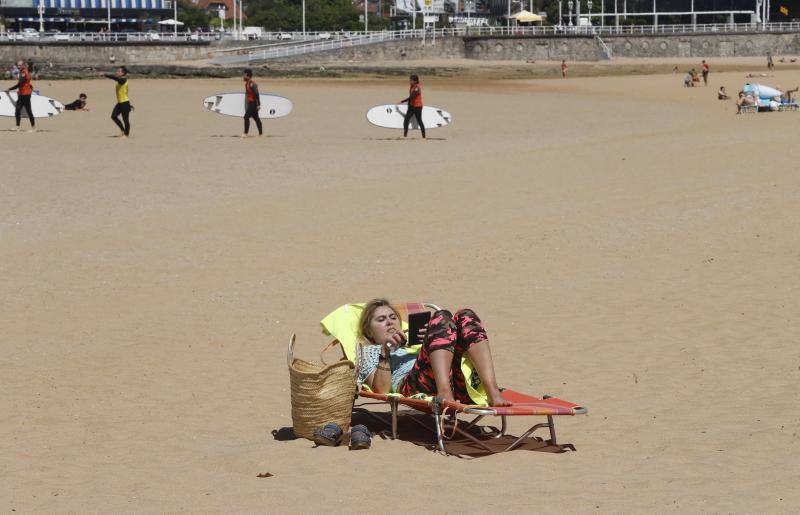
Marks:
<point>221,13</point>
<point>40,9</point>
<point>304,19</point>
<point>569,6</point>
<point>366,18</point>
<point>175,18</point>
<point>589,5</point>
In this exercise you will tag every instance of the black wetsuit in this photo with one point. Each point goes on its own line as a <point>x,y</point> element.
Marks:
<point>251,107</point>
<point>74,106</point>
<point>122,108</point>
<point>415,111</point>
<point>23,101</point>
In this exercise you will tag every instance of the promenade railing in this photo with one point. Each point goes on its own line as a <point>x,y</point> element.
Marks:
<point>280,44</point>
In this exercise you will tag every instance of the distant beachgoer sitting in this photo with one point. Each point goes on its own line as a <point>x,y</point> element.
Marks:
<point>722,94</point>
<point>695,78</point>
<point>687,80</point>
<point>744,100</point>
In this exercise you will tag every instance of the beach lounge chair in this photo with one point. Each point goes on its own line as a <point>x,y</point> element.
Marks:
<point>752,108</point>
<point>342,324</point>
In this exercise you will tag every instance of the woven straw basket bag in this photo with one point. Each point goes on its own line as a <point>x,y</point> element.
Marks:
<point>321,393</point>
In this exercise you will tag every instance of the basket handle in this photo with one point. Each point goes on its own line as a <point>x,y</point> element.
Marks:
<point>290,353</point>
<point>328,347</point>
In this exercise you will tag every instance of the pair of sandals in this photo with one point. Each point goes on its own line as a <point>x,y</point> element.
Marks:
<point>331,435</point>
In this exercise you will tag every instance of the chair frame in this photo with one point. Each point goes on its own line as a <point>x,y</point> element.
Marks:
<point>445,422</point>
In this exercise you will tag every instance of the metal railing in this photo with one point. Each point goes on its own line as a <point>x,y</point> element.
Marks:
<point>283,44</point>
<point>107,37</point>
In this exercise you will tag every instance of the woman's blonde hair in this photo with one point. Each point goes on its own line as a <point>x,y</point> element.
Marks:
<point>366,316</point>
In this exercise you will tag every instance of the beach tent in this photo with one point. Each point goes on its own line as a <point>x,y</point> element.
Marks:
<point>526,17</point>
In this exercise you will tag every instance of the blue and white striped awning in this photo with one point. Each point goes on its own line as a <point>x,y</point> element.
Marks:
<point>81,20</point>
<point>100,4</point>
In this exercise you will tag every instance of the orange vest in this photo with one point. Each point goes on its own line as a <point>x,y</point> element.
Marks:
<point>26,88</point>
<point>417,100</point>
<point>251,95</point>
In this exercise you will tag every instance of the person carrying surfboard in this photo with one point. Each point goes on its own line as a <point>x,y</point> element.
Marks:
<point>25,89</point>
<point>414,105</point>
<point>123,106</point>
<point>252,103</point>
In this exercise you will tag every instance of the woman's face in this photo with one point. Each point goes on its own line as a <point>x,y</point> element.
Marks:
<point>383,324</point>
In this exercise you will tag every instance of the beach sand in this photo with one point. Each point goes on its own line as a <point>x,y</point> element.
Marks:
<point>631,245</point>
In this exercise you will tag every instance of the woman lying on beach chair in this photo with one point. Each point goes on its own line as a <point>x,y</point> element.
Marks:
<point>449,374</point>
<point>387,366</point>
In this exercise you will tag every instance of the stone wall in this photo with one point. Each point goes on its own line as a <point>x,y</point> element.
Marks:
<point>99,54</point>
<point>518,48</point>
<point>442,48</point>
<point>744,44</point>
<point>587,48</point>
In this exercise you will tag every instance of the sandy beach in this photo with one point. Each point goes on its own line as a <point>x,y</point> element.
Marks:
<point>631,245</point>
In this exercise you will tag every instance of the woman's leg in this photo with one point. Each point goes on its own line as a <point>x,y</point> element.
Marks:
<point>437,370</point>
<point>472,339</point>
<point>432,371</point>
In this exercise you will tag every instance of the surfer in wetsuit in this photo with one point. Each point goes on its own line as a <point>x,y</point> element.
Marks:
<point>414,105</point>
<point>252,103</point>
<point>25,90</point>
<point>123,106</point>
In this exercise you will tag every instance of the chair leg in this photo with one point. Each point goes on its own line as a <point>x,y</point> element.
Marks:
<point>437,421</point>
<point>552,427</point>
<point>393,403</point>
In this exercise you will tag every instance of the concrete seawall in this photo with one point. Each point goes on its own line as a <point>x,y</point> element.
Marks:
<point>588,48</point>
<point>512,48</point>
<point>572,48</point>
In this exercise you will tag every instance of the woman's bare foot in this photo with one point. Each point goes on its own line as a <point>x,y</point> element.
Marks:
<point>496,398</point>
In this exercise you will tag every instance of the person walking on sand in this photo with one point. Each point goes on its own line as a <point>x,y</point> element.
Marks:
<point>252,103</point>
<point>123,107</point>
<point>705,73</point>
<point>414,101</point>
<point>563,69</point>
<point>24,91</point>
<point>770,64</point>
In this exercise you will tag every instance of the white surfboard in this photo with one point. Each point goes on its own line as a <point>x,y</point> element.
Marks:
<point>763,91</point>
<point>43,107</point>
<point>233,104</point>
<point>392,116</point>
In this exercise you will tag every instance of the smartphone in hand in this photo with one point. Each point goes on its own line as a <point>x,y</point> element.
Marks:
<point>416,322</point>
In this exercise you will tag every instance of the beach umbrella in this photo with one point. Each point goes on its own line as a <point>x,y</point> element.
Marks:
<point>170,22</point>
<point>526,17</point>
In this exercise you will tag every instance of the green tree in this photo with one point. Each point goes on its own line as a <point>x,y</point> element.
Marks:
<point>321,15</point>
<point>192,16</point>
